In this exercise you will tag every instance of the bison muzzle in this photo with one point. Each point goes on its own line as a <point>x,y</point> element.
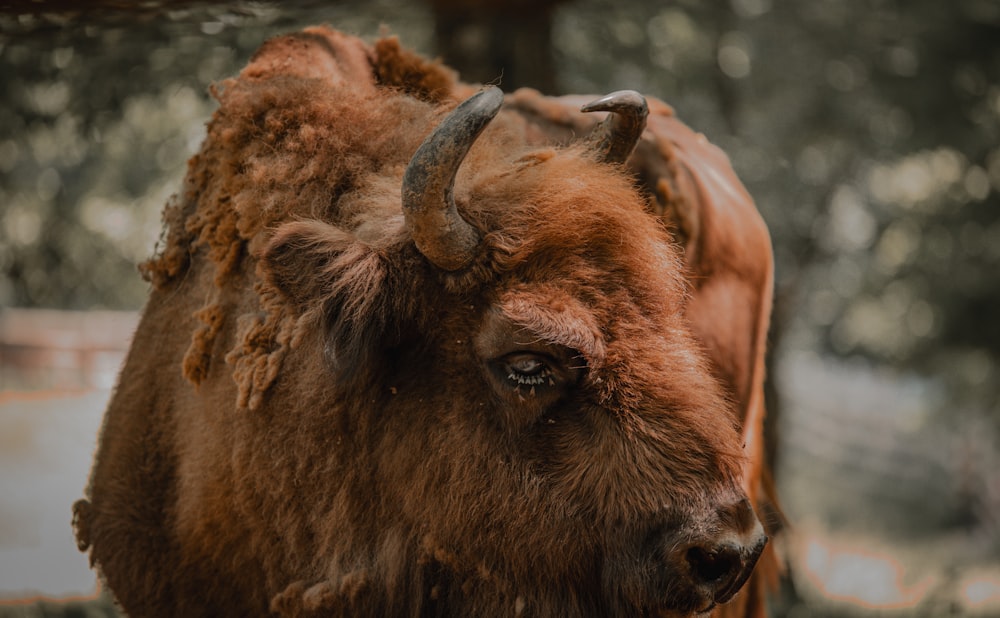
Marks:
<point>414,349</point>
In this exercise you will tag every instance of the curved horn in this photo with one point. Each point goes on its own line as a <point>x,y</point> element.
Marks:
<point>440,233</point>
<point>615,138</point>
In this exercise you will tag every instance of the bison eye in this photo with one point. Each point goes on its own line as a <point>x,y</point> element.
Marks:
<point>525,369</point>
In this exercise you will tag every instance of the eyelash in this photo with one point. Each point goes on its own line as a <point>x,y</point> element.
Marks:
<point>519,378</point>
<point>536,380</point>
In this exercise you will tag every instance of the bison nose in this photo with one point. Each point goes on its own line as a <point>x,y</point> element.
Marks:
<point>719,565</point>
<point>719,570</point>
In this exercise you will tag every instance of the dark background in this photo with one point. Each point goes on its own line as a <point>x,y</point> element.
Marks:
<point>868,132</point>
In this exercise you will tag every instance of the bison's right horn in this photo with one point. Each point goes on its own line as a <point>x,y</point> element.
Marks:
<point>616,137</point>
<point>440,233</point>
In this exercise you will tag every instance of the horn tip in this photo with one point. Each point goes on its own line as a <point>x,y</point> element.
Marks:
<point>489,97</point>
<point>483,105</point>
<point>616,101</point>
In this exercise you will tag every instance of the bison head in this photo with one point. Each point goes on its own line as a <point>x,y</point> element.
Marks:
<point>525,418</point>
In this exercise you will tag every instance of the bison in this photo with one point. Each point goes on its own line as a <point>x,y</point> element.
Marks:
<point>415,348</point>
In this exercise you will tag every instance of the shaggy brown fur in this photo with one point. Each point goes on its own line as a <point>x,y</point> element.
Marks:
<point>315,421</point>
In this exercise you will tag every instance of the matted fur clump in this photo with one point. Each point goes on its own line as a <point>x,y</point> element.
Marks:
<point>278,149</point>
<point>322,416</point>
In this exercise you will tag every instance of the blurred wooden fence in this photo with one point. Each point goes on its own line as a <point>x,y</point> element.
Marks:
<point>43,350</point>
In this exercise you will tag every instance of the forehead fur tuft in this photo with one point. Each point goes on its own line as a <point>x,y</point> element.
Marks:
<point>570,216</point>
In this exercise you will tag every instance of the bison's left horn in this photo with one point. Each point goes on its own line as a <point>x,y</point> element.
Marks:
<point>441,234</point>
<point>616,137</point>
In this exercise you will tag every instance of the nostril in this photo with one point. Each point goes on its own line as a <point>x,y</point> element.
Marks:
<point>717,567</point>
<point>719,570</point>
<point>714,555</point>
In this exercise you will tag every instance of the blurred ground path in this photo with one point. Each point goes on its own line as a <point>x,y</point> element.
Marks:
<point>47,441</point>
<point>56,373</point>
<point>876,488</point>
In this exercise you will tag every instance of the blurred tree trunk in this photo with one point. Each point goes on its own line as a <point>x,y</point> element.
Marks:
<point>498,41</point>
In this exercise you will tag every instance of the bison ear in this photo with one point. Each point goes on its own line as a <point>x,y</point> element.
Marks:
<point>299,260</point>
<point>314,265</point>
